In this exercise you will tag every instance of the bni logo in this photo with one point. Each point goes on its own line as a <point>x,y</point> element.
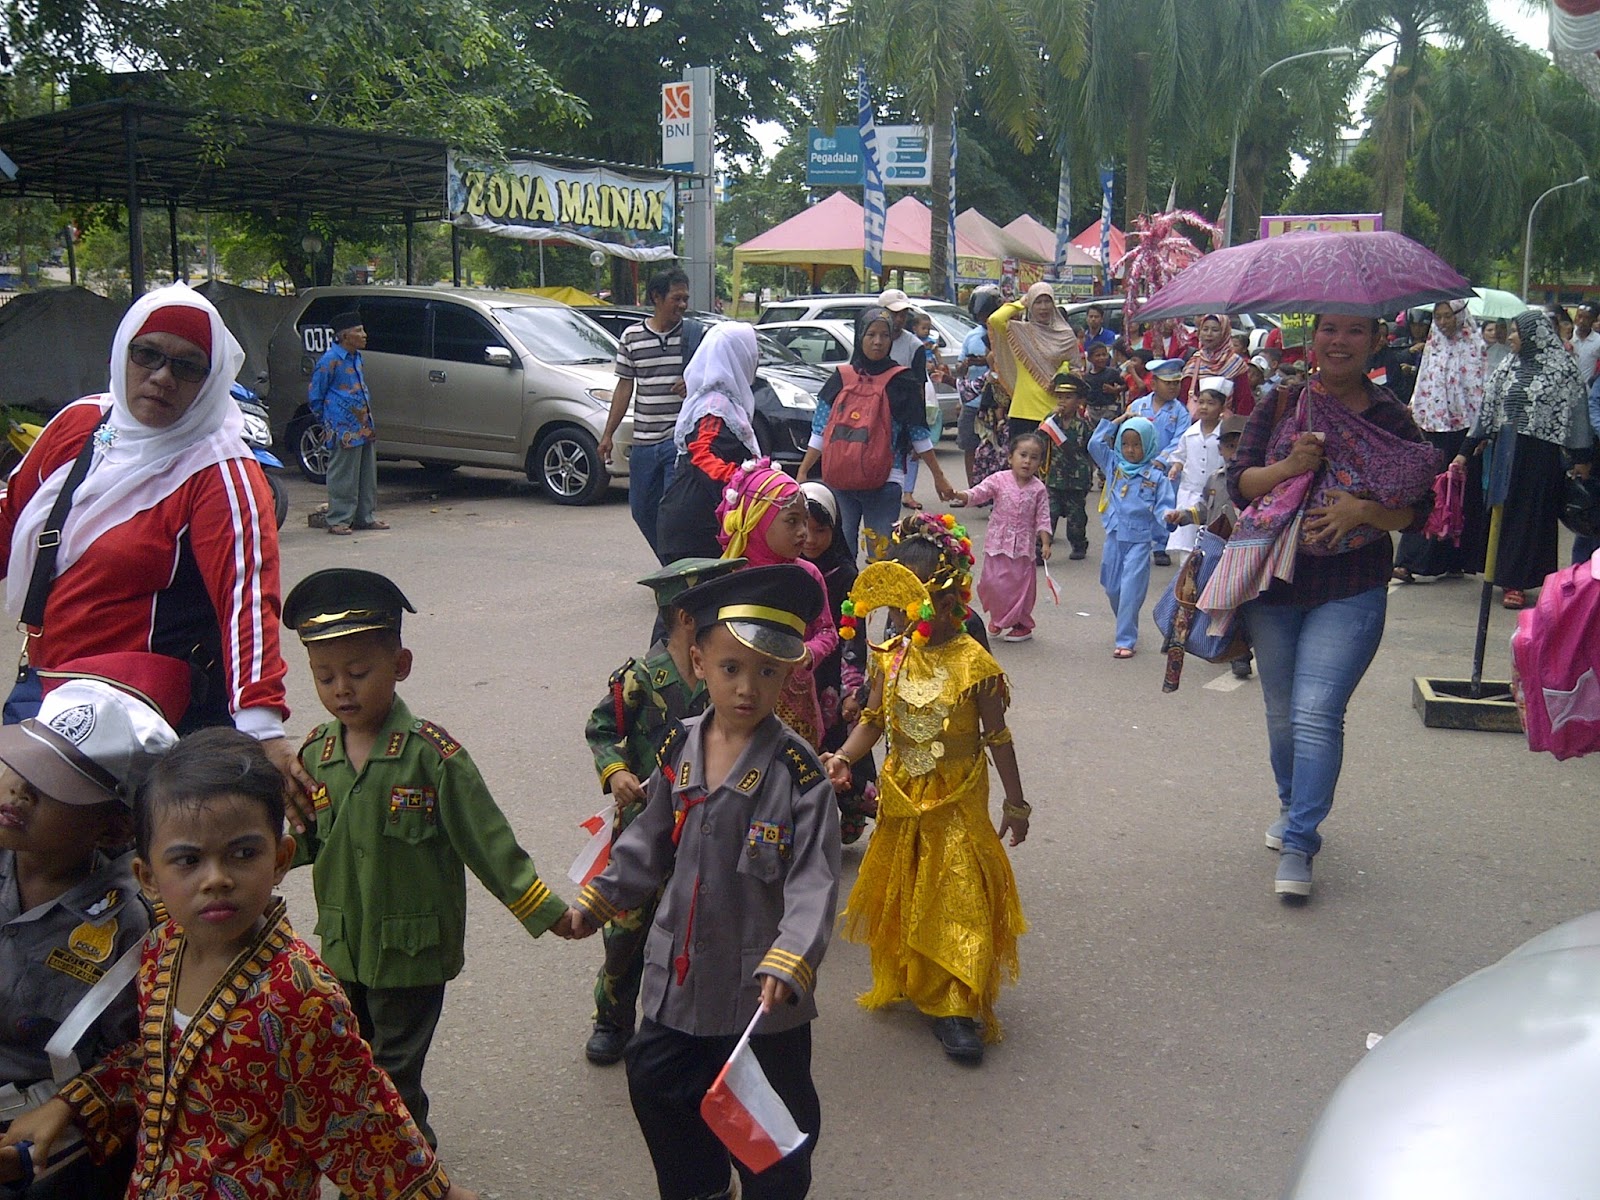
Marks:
<point>677,101</point>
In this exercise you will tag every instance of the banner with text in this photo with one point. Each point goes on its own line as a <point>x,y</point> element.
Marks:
<point>629,216</point>
<point>1322,223</point>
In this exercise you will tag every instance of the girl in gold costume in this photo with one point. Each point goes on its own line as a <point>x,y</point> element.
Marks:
<point>935,898</point>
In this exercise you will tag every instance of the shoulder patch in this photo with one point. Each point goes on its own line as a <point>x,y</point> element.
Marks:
<point>329,745</point>
<point>438,738</point>
<point>315,733</point>
<point>671,747</point>
<point>802,765</point>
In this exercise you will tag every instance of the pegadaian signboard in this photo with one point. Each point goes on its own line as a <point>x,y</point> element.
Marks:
<point>1322,223</point>
<point>630,216</point>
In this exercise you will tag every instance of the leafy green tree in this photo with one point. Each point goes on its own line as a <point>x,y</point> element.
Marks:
<point>932,51</point>
<point>1406,27</point>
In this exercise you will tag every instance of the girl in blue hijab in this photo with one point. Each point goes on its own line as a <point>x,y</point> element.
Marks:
<point>1137,490</point>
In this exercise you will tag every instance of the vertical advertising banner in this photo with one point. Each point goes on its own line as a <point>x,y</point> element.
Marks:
<point>1105,230</point>
<point>950,224</point>
<point>1063,215</point>
<point>873,202</point>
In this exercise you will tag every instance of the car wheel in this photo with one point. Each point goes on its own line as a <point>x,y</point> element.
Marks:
<point>308,440</point>
<point>566,465</point>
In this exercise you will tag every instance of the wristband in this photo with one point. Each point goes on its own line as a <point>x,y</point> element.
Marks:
<point>1019,812</point>
<point>841,756</point>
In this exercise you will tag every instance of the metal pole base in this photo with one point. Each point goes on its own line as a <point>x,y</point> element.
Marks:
<point>1448,704</point>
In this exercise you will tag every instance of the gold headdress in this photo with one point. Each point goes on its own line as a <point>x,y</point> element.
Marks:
<point>887,583</point>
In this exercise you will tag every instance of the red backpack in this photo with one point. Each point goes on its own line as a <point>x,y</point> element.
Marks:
<point>1556,657</point>
<point>858,440</point>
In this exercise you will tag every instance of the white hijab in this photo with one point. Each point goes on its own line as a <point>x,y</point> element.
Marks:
<point>718,380</point>
<point>134,466</point>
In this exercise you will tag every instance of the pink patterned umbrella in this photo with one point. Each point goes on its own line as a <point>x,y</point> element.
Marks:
<point>1362,274</point>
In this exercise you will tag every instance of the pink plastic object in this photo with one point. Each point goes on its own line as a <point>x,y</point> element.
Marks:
<point>1555,654</point>
<point>1447,520</point>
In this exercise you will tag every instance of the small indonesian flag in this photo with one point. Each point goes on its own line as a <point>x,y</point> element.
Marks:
<point>596,853</point>
<point>742,1109</point>
<point>1049,582</point>
<point>1053,431</point>
<point>1379,376</point>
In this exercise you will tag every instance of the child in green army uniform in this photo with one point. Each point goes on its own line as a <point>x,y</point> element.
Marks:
<point>645,700</point>
<point>1070,471</point>
<point>401,812</point>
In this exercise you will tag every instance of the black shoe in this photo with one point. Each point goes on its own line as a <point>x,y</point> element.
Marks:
<point>606,1044</point>
<point>1241,668</point>
<point>1079,552</point>
<point>960,1038</point>
<point>1163,559</point>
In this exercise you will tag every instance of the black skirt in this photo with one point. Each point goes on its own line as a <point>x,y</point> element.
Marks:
<point>1429,556</point>
<point>1530,524</point>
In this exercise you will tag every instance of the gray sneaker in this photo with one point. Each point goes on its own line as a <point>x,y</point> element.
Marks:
<point>1275,830</point>
<point>1294,874</point>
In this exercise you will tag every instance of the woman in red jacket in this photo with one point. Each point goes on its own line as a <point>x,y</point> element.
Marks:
<point>170,544</point>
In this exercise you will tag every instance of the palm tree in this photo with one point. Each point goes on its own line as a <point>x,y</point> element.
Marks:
<point>1405,26</point>
<point>933,51</point>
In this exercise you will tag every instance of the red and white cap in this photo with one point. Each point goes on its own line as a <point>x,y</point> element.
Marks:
<point>100,727</point>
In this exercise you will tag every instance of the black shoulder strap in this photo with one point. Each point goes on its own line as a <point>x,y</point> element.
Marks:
<point>44,566</point>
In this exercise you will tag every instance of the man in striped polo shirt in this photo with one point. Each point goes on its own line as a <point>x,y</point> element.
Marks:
<point>649,369</point>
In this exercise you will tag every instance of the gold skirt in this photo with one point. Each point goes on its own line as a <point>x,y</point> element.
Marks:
<point>935,898</point>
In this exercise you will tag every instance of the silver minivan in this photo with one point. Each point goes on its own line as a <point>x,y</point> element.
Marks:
<point>460,377</point>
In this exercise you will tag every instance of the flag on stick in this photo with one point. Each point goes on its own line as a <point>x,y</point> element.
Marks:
<point>874,204</point>
<point>596,852</point>
<point>741,1108</point>
<point>1049,582</point>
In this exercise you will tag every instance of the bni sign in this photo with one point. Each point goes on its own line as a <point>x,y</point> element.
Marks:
<point>677,126</point>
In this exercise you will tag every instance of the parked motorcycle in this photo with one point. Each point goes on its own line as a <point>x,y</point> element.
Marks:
<point>258,436</point>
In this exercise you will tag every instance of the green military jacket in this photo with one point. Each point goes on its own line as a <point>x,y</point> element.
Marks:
<point>389,848</point>
<point>645,699</point>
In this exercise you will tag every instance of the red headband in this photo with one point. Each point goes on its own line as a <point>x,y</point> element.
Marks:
<point>181,320</point>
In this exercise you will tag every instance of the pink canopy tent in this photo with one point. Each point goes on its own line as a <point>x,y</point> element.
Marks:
<point>1034,233</point>
<point>831,234</point>
<point>1089,242</point>
<point>981,231</point>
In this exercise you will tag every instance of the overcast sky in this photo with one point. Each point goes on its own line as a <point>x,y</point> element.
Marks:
<point>1535,30</point>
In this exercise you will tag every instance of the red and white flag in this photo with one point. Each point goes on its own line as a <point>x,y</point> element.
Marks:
<point>1049,582</point>
<point>742,1109</point>
<point>1052,430</point>
<point>596,853</point>
<point>1379,376</point>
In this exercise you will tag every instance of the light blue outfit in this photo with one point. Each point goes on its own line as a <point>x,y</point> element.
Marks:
<point>1170,420</point>
<point>976,345</point>
<point>1134,494</point>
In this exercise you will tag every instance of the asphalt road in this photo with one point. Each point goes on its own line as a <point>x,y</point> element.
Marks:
<point>1176,1028</point>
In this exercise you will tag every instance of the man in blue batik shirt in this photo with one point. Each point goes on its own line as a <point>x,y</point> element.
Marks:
<point>339,399</point>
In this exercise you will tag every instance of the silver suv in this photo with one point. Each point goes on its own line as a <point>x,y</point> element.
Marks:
<point>460,377</point>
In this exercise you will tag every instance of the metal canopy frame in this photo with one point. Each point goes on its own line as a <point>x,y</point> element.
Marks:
<point>136,153</point>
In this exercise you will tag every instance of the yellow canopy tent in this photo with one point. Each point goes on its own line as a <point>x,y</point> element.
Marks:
<point>567,295</point>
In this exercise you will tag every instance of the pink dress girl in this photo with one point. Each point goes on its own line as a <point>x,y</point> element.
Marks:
<point>762,519</point>
<point>1009,584</point>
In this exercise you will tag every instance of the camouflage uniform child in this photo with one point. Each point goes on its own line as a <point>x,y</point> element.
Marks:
<point>1070,471</point>
<point>401,813</point>
<point>645,700</point>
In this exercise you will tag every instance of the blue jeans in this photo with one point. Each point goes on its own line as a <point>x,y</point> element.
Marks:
<point>1125,576</point>
<point>649,476</point>
<point>1310,660</point>
<point>878,510</point>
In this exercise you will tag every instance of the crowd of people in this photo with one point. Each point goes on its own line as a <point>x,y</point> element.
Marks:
<point>151,801</point>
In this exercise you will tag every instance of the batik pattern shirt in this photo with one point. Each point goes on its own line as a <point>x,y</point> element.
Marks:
<point>339,398</point>
<point>265,1089</point>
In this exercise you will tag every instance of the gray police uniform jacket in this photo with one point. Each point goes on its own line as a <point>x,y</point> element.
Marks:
<point>51,955</point>
<point>752,882</point>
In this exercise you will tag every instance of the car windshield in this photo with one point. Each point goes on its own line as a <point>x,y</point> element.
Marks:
<point>781,312</point>
<point>953,323</point>
<point>775,355</point>
<point>559,335</point>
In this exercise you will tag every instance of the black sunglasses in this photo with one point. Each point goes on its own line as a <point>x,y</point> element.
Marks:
<point>152,360</point>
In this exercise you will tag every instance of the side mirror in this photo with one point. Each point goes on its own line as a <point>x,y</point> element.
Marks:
<point>497,356</point>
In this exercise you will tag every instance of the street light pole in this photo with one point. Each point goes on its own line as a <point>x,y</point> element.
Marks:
<point>1527,243</point>
<point>1238,124</point>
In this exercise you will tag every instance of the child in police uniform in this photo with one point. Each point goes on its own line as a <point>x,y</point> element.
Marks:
<point>741,825</point>
<point>69,905</point>
<point>401,812</point>
<point>645,699</point>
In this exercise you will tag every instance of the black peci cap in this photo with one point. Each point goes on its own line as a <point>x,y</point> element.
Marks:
<point>341,601</point>
<point>765,608</point>
<point>345,320</point>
